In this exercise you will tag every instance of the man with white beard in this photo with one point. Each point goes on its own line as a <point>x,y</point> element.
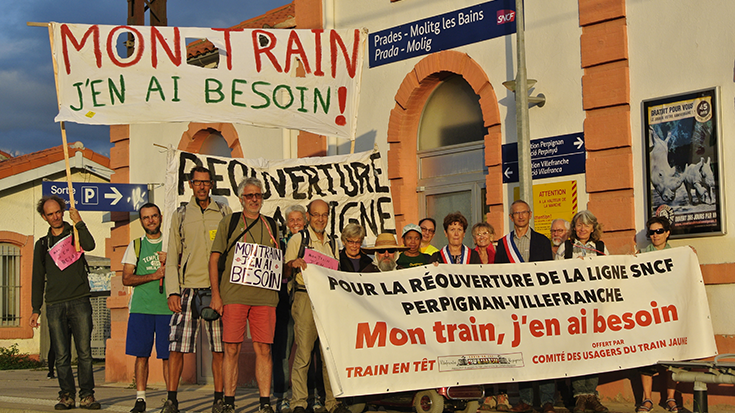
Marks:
<point>386,250</point>
<point>559,233</point>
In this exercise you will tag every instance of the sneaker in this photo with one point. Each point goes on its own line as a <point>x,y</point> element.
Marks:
<point>593,403</point>
<point>50,375</point>
<point>502,403</point>
<point>283,406</point>
<point>228,408</point>
<point>170,407</point>
<point>522,407</point>
<point>139,406</point>
<point>319,407</point>
<point>581,404</point>
<point>266,409</point>
<point>88,402</point>
<point>218,406</point>
<point>66,402</point>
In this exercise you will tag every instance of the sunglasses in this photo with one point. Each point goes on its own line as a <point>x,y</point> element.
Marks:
<point>658,231</point>
<point>388,250</point>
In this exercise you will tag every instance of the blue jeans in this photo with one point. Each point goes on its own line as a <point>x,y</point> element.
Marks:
<point>67,319</point>
<point>585,385</point>
<point>545,388</point>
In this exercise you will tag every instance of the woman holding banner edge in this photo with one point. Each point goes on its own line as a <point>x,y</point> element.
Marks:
<point>658,230</point>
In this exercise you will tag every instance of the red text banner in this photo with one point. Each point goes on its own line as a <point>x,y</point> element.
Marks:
<point>448,325</point>
<point>251,79</point>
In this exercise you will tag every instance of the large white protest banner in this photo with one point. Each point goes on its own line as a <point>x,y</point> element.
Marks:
<point>355,186</point>
<point>254,82</point>
<point>433,326</point>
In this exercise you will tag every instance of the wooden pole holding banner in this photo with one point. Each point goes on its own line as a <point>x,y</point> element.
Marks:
<point>65,145</point>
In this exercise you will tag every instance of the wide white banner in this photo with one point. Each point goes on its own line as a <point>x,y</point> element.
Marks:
<point>434,326</point>
<point>254,80</point>
<point>355,186</point>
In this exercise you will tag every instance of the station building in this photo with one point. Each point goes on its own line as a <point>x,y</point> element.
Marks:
<point>441,118</point>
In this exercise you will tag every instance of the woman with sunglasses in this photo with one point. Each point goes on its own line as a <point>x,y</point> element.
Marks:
<point>659,230</point>
<point>351,258</point>
<point>455,252</point>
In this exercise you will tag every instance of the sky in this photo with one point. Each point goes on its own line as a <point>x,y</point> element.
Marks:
<point>27,91</point>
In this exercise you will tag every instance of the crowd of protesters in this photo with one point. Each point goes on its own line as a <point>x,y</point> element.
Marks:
<point>173,292</point>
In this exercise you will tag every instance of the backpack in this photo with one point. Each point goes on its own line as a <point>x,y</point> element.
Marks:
<point>306,242</point>
<point>569,247</point>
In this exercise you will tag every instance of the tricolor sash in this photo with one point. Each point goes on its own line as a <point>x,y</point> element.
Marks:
<point>511,250</point>
<point>464,258</point>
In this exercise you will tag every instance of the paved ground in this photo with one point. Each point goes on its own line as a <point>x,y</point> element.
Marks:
<point>30,391</point>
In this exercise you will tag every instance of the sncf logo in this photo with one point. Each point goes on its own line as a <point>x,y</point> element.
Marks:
<point>506,16</point>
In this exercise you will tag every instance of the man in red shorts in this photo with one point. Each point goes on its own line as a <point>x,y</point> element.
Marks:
<point>240,303</point>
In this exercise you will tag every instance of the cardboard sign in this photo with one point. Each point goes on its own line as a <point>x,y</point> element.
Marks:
<point>64,254</point>
<point>257,265</point>
<point>317,258</point>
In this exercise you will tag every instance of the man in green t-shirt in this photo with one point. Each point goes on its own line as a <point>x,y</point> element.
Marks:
<point>143,269</point>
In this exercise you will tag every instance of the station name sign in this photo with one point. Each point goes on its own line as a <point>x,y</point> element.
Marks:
<point>446,31</point>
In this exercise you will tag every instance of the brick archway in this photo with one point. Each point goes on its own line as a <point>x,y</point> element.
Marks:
<point>410,100</point>
<point>194,137</point>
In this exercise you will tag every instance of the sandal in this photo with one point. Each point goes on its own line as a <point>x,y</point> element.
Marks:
<point>642,408</point>
<point>672,406</point>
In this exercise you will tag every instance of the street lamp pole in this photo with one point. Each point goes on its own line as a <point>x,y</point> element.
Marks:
<point>522,124</point>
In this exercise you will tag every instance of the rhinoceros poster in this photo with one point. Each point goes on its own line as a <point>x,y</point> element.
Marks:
<point>682,162</point>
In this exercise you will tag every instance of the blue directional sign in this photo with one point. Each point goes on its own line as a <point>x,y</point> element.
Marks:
<point>550,157</point>
<point>446,31</point>
<point>93,196</point>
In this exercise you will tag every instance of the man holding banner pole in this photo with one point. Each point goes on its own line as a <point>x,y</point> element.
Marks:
<point>523,244</point>
<point>245,289</point>
<point>315,238</point>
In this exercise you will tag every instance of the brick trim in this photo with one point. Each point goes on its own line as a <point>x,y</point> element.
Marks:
<point>403,123</point>
<point>606,101</point>
<point>25,244</point>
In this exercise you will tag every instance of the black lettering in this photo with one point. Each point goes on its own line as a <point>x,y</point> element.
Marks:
<point>295,179</point>
<point>377,172</point>
<point>330,180</point>
<point>212,162</point>
<point>184,168</point>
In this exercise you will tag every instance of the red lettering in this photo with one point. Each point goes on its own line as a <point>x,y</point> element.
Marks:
<point>364,335</point>
<point>350,62</point>
<point>318,48</point>
<point>228,45</point>
<point>174,56</point>
<point>67,34</point>
<point>293,40</point>
<point>139,46</point>
<point>258,49</point>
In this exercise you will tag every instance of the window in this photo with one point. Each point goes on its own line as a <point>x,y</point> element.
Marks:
<point>9,285</point>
